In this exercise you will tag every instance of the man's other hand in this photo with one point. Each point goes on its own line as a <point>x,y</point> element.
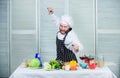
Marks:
<point>75,47</point>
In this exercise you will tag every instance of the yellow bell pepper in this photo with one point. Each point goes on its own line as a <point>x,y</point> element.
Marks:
<point>73,63</point>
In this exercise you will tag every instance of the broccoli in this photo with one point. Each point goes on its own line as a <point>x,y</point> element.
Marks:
<point>55,64</point>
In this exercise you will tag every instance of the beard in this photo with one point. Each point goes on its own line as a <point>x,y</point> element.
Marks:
<point>62,31</point>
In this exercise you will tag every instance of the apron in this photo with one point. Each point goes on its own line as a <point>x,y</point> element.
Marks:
<point>64,54</point>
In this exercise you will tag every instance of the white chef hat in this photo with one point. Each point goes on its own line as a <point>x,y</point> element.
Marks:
<point>66,19</point>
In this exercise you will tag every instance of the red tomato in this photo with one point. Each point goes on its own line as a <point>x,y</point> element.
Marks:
<point>92,66</point>
<point>73,68</point>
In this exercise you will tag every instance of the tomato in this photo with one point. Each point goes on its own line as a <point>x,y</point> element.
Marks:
<point>92,66</point>
<point>73,68</point>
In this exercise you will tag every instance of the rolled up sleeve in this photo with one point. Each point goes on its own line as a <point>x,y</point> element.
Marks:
<point>72,39</point>
<point>55,19</point>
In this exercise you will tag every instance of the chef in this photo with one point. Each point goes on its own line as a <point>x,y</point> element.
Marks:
<point>67,44</point>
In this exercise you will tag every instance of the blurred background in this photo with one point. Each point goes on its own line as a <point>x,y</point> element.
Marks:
<point>26,28</point>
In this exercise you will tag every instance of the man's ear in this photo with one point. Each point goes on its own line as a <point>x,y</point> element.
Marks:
<point>68,30</point>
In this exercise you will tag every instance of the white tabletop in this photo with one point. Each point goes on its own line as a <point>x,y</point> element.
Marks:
<point>104,72</point>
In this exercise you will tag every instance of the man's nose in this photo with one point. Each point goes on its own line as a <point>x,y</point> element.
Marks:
<point>63,28</point>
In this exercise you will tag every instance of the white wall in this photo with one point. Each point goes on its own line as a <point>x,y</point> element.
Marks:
<point>108,32</point>
<point>4,38</point>
<point>23,31</point>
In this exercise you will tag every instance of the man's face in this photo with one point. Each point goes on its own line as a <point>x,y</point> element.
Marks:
<point>63,28</point>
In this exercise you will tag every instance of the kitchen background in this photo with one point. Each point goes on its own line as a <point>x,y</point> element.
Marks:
<point>26,28</point>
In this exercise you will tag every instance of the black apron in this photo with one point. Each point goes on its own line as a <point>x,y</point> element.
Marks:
<point>64,54</point>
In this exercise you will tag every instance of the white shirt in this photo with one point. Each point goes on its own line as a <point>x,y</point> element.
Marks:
<point>71,38</point>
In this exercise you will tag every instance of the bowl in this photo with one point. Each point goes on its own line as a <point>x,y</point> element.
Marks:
<point>83,65</point>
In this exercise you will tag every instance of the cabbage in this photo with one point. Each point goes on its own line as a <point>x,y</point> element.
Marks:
<point>34,63</point>
<point>47,66</point>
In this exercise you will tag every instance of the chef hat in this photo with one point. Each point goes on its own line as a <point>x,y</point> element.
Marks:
<point>66,19</point>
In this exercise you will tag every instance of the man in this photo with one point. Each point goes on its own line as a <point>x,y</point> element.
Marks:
<point>67,42</point>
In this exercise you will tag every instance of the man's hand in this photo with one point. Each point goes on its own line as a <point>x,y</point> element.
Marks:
<point>50,10</point>
<point>75,47</point>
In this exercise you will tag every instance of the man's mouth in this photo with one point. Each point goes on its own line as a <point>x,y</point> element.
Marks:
<point>62,32</point>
